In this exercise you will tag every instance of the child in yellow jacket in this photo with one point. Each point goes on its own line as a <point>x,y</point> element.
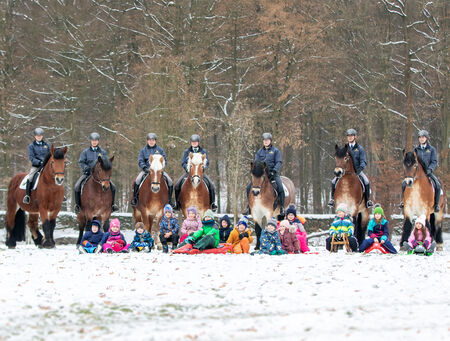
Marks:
<point>241,237</point>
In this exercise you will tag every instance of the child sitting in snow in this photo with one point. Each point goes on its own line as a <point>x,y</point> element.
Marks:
<point>225,228</point>
<point>205,238</point>
<point>114,241</point>
<point>378,231</point>
<point>341,225</point>
<point>191,224</point>
<point>420,239</point>
<point>168,229</point>
<point>241,237</point>
<point>288,239</point>
<point>300,232</point>
<point>142,240</point>
<point>90,243</point>
<point>270,240</point>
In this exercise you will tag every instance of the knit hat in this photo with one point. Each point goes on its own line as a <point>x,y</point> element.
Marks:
<point>139,225</point>
<point>192,209</point>
<point>291,209</point>
<point>342,207</point>
<point>243,221</point>
<point>168,208</point>
<point>209,215</point>
<point>285,223</point>
<point>96,223</point>
<point>422,219</point>
<point>114,223</point>
<point>378,210</point>
<point>272,221</point>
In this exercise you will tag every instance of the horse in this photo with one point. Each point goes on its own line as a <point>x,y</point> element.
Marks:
<point>262,197</point>
<point>153,195</point>
<point>96,197</point>
<point>419,199</point>
<point>45,202</point>
<point>349,190</point>
<point>194,191</point>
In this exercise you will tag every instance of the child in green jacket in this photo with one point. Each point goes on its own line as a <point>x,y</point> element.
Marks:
<point>207,237</point>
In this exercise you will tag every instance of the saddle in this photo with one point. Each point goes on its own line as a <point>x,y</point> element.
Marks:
<point>360,181</point>
<point>84,183</point>
<point>184,180</point>
<point>34,181</point>
<point>275,192</point>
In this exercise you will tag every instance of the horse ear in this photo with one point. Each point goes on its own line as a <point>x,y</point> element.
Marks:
<point>65,150</point>
<point>190,155</point>
<point>161,159</point>
<point>203,157</point>
<point>150,159</point>
<point>403,152</point>
<point>264,165</point>
<point>336,147</point>
<point>112,158</point>
<point>252,164</point>
<point>99,159</point>
<point>52,150</point>
<point>415,154</point>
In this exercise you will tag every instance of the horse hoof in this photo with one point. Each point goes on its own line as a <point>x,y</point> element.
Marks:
<point>11,247</point>
<point>440,247</point>
<point>48,244</point>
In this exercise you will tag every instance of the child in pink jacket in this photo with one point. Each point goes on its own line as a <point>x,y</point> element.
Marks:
<point>113,241</point>
<point>300,232</point>
<point>420,239</point>
<point>191,224</point>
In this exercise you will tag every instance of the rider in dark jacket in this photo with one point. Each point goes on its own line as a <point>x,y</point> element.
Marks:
<point>195,148</point>
<point>87,161</point>
<point>37,153</point>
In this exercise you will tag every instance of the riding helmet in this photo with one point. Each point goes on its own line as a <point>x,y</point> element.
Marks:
<point>423,133</point>
<point>195,138</point>
<point>267,136</point>
<point>94,137</point>
<point>151,136</point>
<point>351,132</point>
<point>38,132</point>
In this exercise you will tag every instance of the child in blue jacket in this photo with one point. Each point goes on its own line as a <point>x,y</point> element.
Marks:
<point>142,240</point>
<point>378,231</point>
<point>270,240</point>
<point>168,229</point>
<point>90,243</point>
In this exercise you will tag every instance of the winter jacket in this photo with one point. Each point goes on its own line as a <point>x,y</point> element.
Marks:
<point>426,241</point>
<point>428,156</point>
<point>166,226</point>
<point>343,225</point>
<point>209,228</point>
<point>185,158</point>
<point>190,226</point>
<point>92,238</point>
<point>289,241</point>
<point>37,152</point>
<point>109,237</point>
<point>359,157</point>
<point>89,157</point>
<point>298,225</point>
<point>270,241</point>
<point>144,237</point>
<point>144,155</point>
<point>224,232</point>
<point>271,156</point>
<point>235,239</point>
<point>380,230</point>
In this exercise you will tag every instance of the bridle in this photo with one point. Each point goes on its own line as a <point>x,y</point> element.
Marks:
<point>53,170</point>
<point>97,180</point>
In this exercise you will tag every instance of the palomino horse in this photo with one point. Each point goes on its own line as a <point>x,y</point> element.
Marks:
<point>349,191</point>
<point>45,202</point>
<point>194,191</point>
<point>96,197</point>
<point>262,197</point>
<point>419,199</point>
<point>153,195</point>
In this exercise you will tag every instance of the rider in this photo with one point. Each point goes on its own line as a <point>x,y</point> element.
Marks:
<point>37,152</point>
<point>143,160</point>
<point>87,161</point>
<point>428,155</point>
<point>272,157</point>
<point>359,162</point>
<point>195,148</point>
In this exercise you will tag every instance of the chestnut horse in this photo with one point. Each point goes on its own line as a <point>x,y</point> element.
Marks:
<point>194,191</point>
<point>349,190</point>
<point>153,195</point>
<point>419,199</point>
<point>45,202</point>
<point>96,196</point>
<point>262,197</point>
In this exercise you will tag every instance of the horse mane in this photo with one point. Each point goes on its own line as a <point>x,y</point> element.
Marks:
<point>105,163</point>
<point>156,164</point>
<point>410,159</point>
<point>258,168</point>
<point>196,159</point>
<point>342,152</point>
<point>58,154</point>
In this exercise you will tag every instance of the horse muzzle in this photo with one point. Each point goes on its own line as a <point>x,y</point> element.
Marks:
<point>256,191</point>
<point>408,182</point>
<point>105,186</point>
<point>338,172</point>
<point>59,180</point>
<point>155,187</point>
<point>195,180</point>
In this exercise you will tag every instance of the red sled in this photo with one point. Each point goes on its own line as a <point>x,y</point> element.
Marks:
<point>188,250</point>
<point>377,247</point>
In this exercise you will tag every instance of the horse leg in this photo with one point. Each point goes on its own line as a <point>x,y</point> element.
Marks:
<point>153,232</point>
<point>432,226</point>
<point>10,218</point>
<point>437,236</point>
<point>81,225</point>
<point>407,226</point>
<point>53,216</point>
<point>258,236</point>
<point>359,233</point>
<point>47,229</point>
<point>106,225</point>
<point>33,224</point>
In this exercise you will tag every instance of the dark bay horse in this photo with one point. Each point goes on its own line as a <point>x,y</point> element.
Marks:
<point>350,191</point>
<point>153,195</point>
<point>194,191</point>
<point>45,202</point>
<point>419,199</point>
<point>262,197</point>
<point>96,196</point>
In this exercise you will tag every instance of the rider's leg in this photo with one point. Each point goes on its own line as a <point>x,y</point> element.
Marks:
<point>113,193</point>
<point>169,183</point>
<point>437,192</point>
<point>137,182</point>
<point>333,188</point>
<point>31,178</point>
<point>365,179</point>
<point>247,211</point>
<point>281,195</point>
<point>212,192</point>
<point>77,192</point>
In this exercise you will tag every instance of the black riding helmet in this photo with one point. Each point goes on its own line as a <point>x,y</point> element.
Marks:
<point>195,138</point>
<point>94,137</point>
<point>38,132</point>
<point>151,136</point>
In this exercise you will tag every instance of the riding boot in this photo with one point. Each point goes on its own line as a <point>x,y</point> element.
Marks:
<point>437,195</point>
<point>333,188</point>
<point>212,197</point>
<point>369,203</point>
<point>134,201</point>
<point>114,207</point>
<point>77,197</point>
<point>402,205</point>
<point>26,198</point>
<point>171,203</point>
<point>281,197</point>
<point>177,195</point>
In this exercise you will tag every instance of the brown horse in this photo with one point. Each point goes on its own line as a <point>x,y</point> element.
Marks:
<point>262,197</point>
<point>419,199</point>
<point>96,197</point>
<point>153,195</point>
<point>350,191</point>
<point>45,202</point>
<point>194,191</point>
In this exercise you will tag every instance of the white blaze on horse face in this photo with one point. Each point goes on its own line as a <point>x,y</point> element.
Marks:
<point>196,161</point>
<point>157,165</point>
<point>59,180</point>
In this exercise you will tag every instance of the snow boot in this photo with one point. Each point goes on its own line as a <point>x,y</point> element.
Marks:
<point>166,248</point>
<point>81,249</point>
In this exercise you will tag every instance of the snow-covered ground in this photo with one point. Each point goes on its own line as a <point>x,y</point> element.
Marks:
<point>59,294</point>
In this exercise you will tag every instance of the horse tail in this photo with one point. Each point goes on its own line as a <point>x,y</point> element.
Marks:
<point>18,232</point>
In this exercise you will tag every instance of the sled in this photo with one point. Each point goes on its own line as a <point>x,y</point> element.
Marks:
<point>335,243</point>
<point>426,253</point>
<point>188,250</point>
<point>376,247</point>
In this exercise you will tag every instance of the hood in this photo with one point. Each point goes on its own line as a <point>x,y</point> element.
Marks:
<point>227,219</point>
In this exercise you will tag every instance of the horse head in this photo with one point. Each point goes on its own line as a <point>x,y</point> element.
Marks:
<point>157,165</point>
<point>259,175</point>
<point>344,162</point>
<point>57,162</point>
<point>410,167</point>
<point>102,172</point>
<point>196,165</point>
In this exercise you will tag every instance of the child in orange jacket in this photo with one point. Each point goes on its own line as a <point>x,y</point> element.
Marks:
<point>240,237</point>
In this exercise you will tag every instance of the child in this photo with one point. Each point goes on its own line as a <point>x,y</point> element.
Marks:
<point>378,231</point>
<point>270,240</point>
<point>420,239</point>
<point>300,232</point>
<point>142,241</point>
<point>191,224</point>
<point>342,224</point>
<point>205,238</point>
<point>168,229</point>
<point>225,228</point>
<point>240,237</point>
<point>114,241</point>
<point>90,243</point>
<point>288,239</point>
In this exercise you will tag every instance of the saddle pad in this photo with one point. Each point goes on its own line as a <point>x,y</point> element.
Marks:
<point>84,183</point>
<point>434,186</point>
<point>143,179</point>
<point>23,184</point>
<point>286,191</point>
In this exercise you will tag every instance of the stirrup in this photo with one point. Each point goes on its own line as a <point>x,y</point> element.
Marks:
<point>213,207</point>
<point>402,205</point>
<point>134,202</point>
<point>26,199</point>
<point>114,208</point>
<point>331,203</point>
<point>369,204</point>
<point>247,211</point>
<point>77,208</point>
<point>437,208</point>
